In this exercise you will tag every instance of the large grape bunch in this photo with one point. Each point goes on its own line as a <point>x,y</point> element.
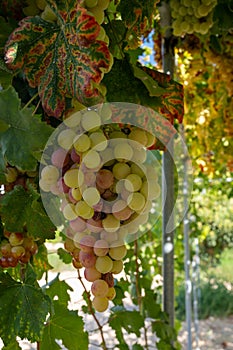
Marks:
<point>192,16</point>
<point>105,187</point>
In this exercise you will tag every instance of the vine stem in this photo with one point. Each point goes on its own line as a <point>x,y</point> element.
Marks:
<point>100,327</point>
<point>30,101</point>
<point>38,346</point>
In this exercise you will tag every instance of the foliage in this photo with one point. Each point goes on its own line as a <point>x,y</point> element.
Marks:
<point>54,61</point>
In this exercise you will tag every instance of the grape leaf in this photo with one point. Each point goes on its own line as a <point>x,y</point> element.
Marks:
<point>14,345</point>
<point>25,134</point>
<point>28,307</point>
<point>20,207</point>
<point>63,59</point>
<point>40,262</point>
<point>59,289</point>
<point>131,321</point>
<point>64,256</point>
<point>67,326</point>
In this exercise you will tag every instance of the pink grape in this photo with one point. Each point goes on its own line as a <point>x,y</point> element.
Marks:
<point>60,158</point>
<point>87,243</point>
<point>74,156</point>
<point>91,274</point>
<point>87,259</point>
<point>78,225</point>
<point>104,178</point>
<point>94,225</point>
<point>99,288</point>
<point>63,188</point>
<point>101,247</point>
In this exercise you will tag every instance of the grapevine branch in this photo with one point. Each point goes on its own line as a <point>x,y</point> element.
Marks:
<point>100,327</point>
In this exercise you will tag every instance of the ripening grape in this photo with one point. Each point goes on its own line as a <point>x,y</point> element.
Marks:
<point>136,201</point>
<point>94,226</point>
<point>123,151</point>
<point>5,248</point>
<point>83,210</point>
<point>69,245</point>
<point>44,186</point>
<point>139,170</point>
<point>139,155</point>
<point>117,251</point>
<point>98,141</point>
<point>133,182</point>
<point>73,120</point>
<point>117,267</point>
<point>11,174</point>
<point>91,196</point>
<point>50,174</point>
<point>121,170</point>
<point>103,264</point>
<point>16,238</point>
<point>100,304</point>
<point>91,274</point>
<point>98,13</point>
<point>109,236</point>
<point>150,139</point>
<point>65,138</point>
<point>69,211</point>
<point>71,178</point>
<point>139,136</point>
<point>87,259</point>
<point>18,251</point>
<point>82,143</point>
<point>92,159</point>
<point>101,247</point>
<point>90,121</point>
<point>91,3</point>
<point>87,243</point>
<point>111,293</point>
<point>78,225</point>
<point>110,223</point>
<point>99,288</point>
<point>121,211</point>
<point>59,158</point>
<point>104,178</point>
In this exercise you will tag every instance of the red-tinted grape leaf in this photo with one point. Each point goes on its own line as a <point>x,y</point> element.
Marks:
<point>63,59</point>
<point>25,134</point>
<point>28,306</point>
<point>20,207</point>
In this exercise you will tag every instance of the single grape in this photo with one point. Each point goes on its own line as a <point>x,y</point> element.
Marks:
<point>83,210</point>
<point>87,259</point>
<point>77,264</point>
<point>138,170</point>
<point>5,248</point>
<point>91,3</point>
<point>101,247</point>
<point>133,183</point>
<point>108,277</point>
<point>98,13</point>
<point>69,212</point>
<point>139,136</point>
<point>73,120</point>
<point>100,304</point>
<point>71,178</point>
<point>69,245</point>
<point>109,236</point>
<point>98,141</point>
<point>92,159</point>
<point>91,196</point>
<point>111,293</point>
<point>87,243</point>
<point>103,264</point>
<point>110,223</point>
<point>121,170</point>
<point>117,251</point>
<point>90,121</point>
<point>104,178</point>
<point>59,158</point>
<point>139,155</point>
<point>117,267</point>
<point>91,274</point>
<point>103,4</point>
<point>11,174</point>
<point>78,225</point>
<point>150,139</point>
<point>94,226</point>
<point>121,211</point>
<point>99,288</point>
<point>65,138</point>
<point>16,238</point>
<point>18,251</point>
<point>123,151</point>
<point>136,201</point>
<point>50,174</point>
<point>82,143</point>
<point>48,14</point>
<point>41,4</point>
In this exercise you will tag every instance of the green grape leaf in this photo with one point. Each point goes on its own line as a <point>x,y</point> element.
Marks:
<point>25,134</point>
<point>2,168</point>
<point>62,59</point>
<point>20,207</point>
<point>59,289</point>
<point>28,306</point>
<point>67,326</point>
<point>64,256</point>
<point>40,261</point>
<point>137,347</point>
<point>116,32</point>
<point>147,301</point>
<point>131,321</point>
<point>14,345</point>
<point>151,84</point>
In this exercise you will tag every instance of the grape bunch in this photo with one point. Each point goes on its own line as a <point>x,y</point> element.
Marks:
<point>99,172</point>
<point>16,248</point>
<point>192,16</point>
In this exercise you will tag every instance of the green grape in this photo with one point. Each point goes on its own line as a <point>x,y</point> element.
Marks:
<point>99,288</point>
<point>136,201</point>
<point>139,136</point>
<point>82,143</point>
<point>109,236</point>
<point>83,210</point>
<point>190,11</point>
<point>117,267</point>
<point>73,120</point>
<point>187,3</point>
<point>69,212</point>
<point>77,238</point>
<point>151,173</point>
<point>18,251</point>
<point>138,170</point>
<point>139,155</point>
<point>92,159</point>
<point>110,223</point>
<point>50,174</point>
<point>65,138</point>
<point>116,137</point>
<point>204,10</point>
<point>102,34</point>
<point>76,194</point>
<point>117,251</point>
<point>101,247</point>
<point>107,156</point>
<point>91,3</point>
<point>123,151</point>
<point>105,111</point>
<point>98,141</point>
<point>90,121</point>
<point>91,274</point>
<point>103,4</point>
<point>111,293</point>
<point>48,14</point>
<point>150,139</point>
<point>98,13</point>
<point>133,183</point>
<point>184,27</point>
<point>121,170</point>
<point>72,178</point>
<point>100,304</point>
<point>91,196</point>
<point>103,264</point>
<point>182,11</point>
